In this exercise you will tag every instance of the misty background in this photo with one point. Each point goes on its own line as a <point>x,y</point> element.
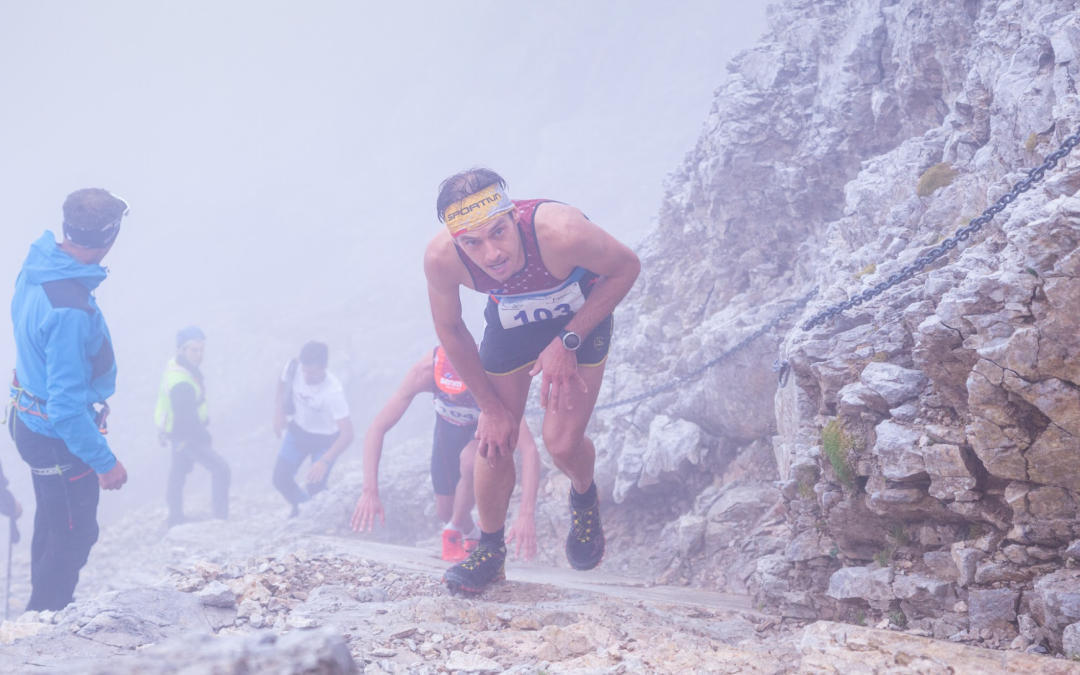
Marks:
<point>282,160</point>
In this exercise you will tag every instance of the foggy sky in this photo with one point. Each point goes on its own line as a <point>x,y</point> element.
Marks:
<point>281,161</point>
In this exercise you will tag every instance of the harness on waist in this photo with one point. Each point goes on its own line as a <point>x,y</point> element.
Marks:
<point>59,470</point>
<point>36,406</point>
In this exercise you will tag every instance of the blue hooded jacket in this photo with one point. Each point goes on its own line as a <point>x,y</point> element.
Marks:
<point>64,353</point>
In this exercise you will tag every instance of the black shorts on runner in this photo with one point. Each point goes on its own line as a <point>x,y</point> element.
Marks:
<point>450,440</point>
<point>506,350</point>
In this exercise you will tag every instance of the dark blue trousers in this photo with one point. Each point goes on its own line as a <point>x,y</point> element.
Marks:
<point>65,524</point>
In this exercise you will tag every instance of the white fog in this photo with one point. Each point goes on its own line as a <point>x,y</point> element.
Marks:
<point>281,161</point>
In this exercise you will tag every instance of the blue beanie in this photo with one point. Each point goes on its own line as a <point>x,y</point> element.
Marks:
<point>188,334</point>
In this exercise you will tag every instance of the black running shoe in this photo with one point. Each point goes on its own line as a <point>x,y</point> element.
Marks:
<point>585,543</point>
<point>484,565</point>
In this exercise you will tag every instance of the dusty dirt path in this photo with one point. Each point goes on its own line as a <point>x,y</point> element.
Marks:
<point>596,581</point>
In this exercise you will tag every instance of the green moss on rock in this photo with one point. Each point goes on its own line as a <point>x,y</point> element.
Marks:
<point>934,178</point>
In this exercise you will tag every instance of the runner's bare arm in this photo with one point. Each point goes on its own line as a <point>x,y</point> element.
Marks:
<point>530,469</point>
<point>523,532</point>
<point>445,273</point>
<point>416,381</point>
<point>568,240</point>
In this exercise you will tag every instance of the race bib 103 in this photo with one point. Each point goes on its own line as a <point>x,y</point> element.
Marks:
<point>521,310</point>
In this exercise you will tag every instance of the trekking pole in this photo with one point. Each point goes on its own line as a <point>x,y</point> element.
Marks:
<point>13,536</point>
<point>12,540</point>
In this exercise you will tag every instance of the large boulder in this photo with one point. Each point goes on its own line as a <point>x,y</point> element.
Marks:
<point>296,653</point>
<point>897,446</point>
<point>1059,598</point>
<point>893,383</point>
<point>863,585</point>
<point>992,612</point>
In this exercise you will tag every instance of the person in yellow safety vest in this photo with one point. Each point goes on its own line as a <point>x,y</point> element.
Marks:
<point>182,416</point>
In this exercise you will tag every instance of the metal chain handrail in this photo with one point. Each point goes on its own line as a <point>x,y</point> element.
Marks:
<point>682,379</point>
<point>962,234</point>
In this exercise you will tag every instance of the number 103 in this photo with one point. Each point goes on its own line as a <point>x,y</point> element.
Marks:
<point>543,314</point>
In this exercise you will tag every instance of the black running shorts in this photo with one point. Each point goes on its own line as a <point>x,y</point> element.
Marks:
<point>450,440</point>
<point>506,350</point>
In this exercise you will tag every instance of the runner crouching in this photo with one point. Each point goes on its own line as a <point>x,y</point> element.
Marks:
<point>453,453</point>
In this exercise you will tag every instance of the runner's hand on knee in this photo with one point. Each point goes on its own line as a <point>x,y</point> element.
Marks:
<point>560,377</point>
<point>497,433</point>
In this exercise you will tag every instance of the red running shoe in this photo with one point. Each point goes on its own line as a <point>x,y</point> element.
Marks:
<point>453,546</point>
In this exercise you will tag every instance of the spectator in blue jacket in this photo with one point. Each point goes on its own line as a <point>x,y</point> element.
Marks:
<point>65,372</point>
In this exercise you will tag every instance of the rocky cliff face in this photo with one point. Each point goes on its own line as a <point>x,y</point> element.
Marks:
<point>921,467</point>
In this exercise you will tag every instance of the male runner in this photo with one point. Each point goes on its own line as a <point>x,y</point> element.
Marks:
<point>554,279</point>
<point>452,457</point>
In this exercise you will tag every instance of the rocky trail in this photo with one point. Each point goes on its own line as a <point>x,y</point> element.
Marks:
<point>260,593</point>
<point>909,501</point>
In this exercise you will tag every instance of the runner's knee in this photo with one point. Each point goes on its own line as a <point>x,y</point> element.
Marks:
<point>560,444</point>
<point>467,460</point>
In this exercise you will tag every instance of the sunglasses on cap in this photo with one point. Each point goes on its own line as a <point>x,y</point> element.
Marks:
<point>102,238</point>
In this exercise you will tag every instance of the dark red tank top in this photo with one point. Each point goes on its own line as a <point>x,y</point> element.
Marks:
<point>534,277</point>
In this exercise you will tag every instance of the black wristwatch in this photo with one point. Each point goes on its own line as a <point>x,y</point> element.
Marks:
<point>570,340</point>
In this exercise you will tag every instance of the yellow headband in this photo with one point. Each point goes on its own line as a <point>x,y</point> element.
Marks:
<point>477,210</point>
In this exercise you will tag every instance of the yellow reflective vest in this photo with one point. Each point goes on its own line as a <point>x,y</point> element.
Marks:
<point>163,413</point>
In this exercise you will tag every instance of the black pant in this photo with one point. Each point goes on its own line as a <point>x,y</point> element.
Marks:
<point>183,461</point>
<point>449,440</point>
<point>65,525</point>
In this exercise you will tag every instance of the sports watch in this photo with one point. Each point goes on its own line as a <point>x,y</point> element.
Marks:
<point>570,339</point>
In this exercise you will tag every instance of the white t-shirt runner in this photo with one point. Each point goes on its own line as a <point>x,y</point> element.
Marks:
<point>318,406</point>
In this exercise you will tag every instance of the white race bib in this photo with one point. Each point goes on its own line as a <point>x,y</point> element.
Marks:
<point>520,310</point>
<point>461,416</point>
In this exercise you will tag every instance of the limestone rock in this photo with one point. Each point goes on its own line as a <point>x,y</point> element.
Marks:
<point>941,565</point>
<point>829,648</point>
<point>10,631</point>
<point>873,586</point>
<point>856,397</point>
<point>460,662</point>
<point>670,442</point>
<point>950,473</point>
<point>1070,641</point>
<point>967,560</point>
<point>923,596</point>
<point>897,447</point>
<point>893,383</point>
<point>297,653</point>
<point>993,609</point>
<point>1059,593</point>
<point>217,594</point>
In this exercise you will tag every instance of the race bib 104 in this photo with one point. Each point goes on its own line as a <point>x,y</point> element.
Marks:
<point>521,310</point>
<point>461,416</point>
